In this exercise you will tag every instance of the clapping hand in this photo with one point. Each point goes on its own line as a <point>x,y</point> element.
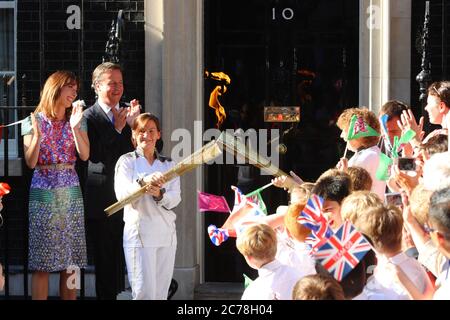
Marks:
<point>76,116</point>
<point>133,111</point>
<point>120,118</point>
<point>35,125</point>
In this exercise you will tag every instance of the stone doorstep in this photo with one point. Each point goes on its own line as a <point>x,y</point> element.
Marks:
<point>204,291</point>
<point>219,291</point>
<point>16,284</point>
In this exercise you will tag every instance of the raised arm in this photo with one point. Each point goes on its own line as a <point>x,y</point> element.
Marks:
<point>80,136</point>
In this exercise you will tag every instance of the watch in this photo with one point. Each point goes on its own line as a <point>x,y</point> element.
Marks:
<point>162,191</point>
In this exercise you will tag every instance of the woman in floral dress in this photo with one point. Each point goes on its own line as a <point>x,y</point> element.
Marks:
<point>52,137</point>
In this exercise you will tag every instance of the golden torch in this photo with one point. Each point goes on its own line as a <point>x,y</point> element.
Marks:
<point>232,145</point>
<point>208,152</point>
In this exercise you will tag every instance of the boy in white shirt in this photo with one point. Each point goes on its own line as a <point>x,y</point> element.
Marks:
<point>439,230</point>
<point>383,225</point>
<point>292,249</point>
<point>258,245</point>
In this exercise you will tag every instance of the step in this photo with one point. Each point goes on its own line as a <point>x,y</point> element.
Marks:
<point>219,291</point>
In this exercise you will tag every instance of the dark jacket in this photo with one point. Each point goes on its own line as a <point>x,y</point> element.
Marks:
<point>106,146</point>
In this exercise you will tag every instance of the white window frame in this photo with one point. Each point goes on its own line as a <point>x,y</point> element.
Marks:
<point>12,143</point>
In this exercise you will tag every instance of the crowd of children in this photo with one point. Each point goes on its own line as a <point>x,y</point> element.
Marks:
<point>409,237</point>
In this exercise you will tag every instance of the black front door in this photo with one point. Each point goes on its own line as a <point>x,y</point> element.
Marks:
<point>278,53</point>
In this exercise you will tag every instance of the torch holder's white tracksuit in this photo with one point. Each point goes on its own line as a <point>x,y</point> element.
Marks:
<point>149,237</point>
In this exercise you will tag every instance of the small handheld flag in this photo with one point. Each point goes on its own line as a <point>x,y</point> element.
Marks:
<point>398,143</point>
<point>313,218</point>
<point>247,281</point>
<point>359,129</point>
<point>384,163</point>
<point>217,235</point>
<point>343,251</point>
<point>211,202</point>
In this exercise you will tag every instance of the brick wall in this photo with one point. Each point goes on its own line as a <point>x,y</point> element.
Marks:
<point>44,45</point>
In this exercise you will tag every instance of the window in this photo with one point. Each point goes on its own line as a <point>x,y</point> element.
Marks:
<point>8,77</point>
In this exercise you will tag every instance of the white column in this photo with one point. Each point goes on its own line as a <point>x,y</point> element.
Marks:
<point>182,96</point>
<point>154,37</point>
<point>385,52</point>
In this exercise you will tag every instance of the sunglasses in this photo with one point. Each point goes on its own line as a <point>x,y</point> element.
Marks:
<point>437,92</point>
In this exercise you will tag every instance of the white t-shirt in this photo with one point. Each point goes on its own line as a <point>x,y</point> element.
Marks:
<point>294,254</point>
<point>369,159</point>
<point>275,282</point>
<point>147,223</point>
<point>383,284</point>
<point>443,283</point>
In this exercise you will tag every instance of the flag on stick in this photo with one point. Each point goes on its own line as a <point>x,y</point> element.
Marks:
<point>211,202</point>
<point>343,251</point>
<point>247,281</point>
<point>359,129</point>
<point>384,163</point>
<point>255,197</point>
<point>398,143</point>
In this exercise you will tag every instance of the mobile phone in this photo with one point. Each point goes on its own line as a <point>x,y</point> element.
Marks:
<point>394,198</point>
<point>407,164</point>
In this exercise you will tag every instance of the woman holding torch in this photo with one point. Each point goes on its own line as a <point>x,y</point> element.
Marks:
<point>149,237</point>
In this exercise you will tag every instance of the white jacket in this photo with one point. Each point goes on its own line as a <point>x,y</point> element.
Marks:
<point>147,223</point>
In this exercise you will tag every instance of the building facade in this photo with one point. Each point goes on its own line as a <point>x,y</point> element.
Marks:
<point>322,56</point>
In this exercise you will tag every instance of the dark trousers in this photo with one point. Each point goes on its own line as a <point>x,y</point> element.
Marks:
<point>109,260</point>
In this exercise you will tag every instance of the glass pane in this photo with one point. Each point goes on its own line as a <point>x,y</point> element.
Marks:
<point>7,39</point>
<point>7,100</point>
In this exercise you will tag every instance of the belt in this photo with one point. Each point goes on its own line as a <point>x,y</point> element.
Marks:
<point>56,166</point>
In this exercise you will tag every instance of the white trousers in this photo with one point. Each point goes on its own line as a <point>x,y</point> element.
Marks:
<point>150,271</point>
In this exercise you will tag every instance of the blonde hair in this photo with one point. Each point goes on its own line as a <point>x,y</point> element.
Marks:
<point>357,203</point>
<point>361,179</point>
<point>419,202</point>
<point>384,227</point>
<point>368,117</point>
<point>317,287</point>
<point>51,92</point>
<point>258,241</point>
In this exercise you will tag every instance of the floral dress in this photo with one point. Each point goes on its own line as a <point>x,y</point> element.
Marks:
<point>56,212</point>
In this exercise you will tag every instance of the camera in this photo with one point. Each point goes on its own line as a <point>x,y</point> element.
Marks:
<point>394,198</point>
<point>407,164</point>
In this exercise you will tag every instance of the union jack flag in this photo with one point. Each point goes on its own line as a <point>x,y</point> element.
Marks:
<point>239,199</point>
<point>218,235</point>
<point>312,218</point>
<point>343,251</point>
<point>244,210</point>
